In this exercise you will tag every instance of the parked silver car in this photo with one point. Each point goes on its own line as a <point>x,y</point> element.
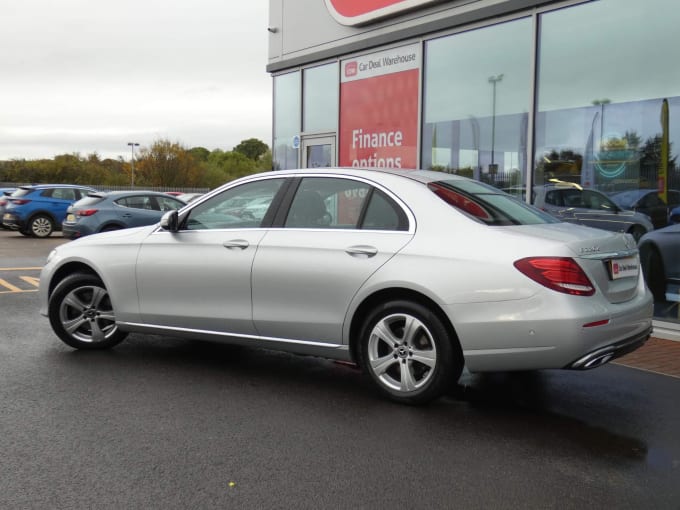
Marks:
<point>569,202</point>
<point>411,274</point>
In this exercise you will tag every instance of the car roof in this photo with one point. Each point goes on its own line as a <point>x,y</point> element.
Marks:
<point>423,176</point>
<point>48,186</point>
<point>128,193</point>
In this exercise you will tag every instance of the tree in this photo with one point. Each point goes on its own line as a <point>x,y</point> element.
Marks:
<point>200,153</point>
<point>167,164</point>
<point>226,166</point>
<point>252,148</point>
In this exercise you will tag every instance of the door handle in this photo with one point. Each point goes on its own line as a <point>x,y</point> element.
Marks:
<point>240,244</point>
<point>362,251</point>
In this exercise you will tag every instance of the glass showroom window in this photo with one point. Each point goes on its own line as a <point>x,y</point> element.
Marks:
<point>476,103</point>
<point>286,120</point>
<point>608,104</point>
<point>320,101</point>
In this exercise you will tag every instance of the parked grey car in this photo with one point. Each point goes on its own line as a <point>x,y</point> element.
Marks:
<point>660,254</point>
<point>411,274</point>
<point>4,193</point>
<point>589,207</point>
<point>103,212</point>
<point>649,203</point>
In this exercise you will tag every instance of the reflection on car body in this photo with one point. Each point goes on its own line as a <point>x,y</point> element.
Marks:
<point>410,274</point>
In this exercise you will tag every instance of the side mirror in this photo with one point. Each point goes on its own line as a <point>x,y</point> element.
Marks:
<point>170,221</point>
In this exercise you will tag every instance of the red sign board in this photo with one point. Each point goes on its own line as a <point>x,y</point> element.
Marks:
<point>358,12</point>
<point>379,109</point>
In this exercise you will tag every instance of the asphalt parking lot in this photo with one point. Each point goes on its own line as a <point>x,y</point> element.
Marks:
<point>166,423</point>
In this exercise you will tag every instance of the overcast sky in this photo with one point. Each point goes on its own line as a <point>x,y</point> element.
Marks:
<point>84,76</point>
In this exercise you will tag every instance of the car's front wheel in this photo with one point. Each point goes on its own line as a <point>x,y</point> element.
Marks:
<point>408,352</point>
<point>81,313</point>
<point>41,226</point>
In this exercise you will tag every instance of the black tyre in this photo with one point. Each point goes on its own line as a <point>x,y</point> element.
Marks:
<point>408,352</point>
<point>41,226</point>
<point>637,231</point>
<point>110,228</point>
<point>654,273</point>
<point>81,313</point>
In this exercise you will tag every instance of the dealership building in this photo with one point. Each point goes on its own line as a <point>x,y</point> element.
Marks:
<point>515,93</point>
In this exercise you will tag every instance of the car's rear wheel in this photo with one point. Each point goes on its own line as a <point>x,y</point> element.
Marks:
<point>81,313</point>
<point>409,353</point>
<point>41,226</point>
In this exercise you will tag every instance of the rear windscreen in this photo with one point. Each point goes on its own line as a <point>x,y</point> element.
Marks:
<point>488,204</point>
<point>89,200</point>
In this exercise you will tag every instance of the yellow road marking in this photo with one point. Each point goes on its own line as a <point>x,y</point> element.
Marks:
<point>9,286</point>
<point>31,280</point>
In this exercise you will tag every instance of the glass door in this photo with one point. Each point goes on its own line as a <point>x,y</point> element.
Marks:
<point>318,152</point>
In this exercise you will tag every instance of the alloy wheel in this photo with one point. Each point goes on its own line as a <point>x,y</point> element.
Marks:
<point>86,314</point>
<point>401,352</point>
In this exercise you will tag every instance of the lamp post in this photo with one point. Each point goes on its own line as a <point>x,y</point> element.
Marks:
<point>493,80</point>
<point>132,160</point>
<point>601,103</point>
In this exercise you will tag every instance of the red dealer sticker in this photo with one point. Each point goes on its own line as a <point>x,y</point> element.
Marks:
<point>358,12</point>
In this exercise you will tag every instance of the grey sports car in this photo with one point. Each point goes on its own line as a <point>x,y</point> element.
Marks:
<point>660,254</point>
<point>411,274</point>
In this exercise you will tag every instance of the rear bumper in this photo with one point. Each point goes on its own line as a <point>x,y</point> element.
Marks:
<point>70,232</point>
<point>607,353</point>
<point>12,221</point>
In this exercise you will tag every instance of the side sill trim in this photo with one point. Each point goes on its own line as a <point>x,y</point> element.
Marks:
<point>156,329</point>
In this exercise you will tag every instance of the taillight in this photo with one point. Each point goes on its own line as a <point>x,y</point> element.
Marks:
<point>3,202</point>
<point>562,274</point>
<point>86,212</point>
<point>20,201</point>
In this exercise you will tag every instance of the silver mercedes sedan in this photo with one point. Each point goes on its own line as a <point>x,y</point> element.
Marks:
<point>413,275</point>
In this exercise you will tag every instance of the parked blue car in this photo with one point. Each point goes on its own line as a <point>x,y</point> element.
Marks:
<point>39,209</point>
<point>103,212</point>
<point>674,216</point>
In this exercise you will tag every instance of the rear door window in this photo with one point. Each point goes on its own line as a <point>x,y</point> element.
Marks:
<point>382,213</point>
<point>64,194</point>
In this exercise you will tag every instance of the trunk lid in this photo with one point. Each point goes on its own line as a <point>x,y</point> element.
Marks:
<point>611,260</point>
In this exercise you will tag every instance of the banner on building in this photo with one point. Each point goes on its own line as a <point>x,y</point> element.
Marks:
<point>379,109</point>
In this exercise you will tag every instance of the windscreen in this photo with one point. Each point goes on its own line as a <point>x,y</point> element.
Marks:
<point>487,204</point>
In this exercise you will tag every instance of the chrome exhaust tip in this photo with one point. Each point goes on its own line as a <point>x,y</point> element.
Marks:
<point>598,361</point>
